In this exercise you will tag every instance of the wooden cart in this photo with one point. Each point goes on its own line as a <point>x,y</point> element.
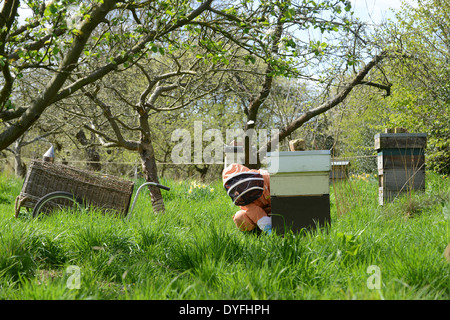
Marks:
<point>58,185</point>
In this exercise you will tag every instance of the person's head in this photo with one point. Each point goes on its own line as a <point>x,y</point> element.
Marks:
<point>244,187</point>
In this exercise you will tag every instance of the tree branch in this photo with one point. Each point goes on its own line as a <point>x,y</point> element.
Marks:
<point>331,103</point>
<point>108,115</point>
<point>68,64</point>
<point>100,135</point>
<point>268,79</point>
<point>386,87</point>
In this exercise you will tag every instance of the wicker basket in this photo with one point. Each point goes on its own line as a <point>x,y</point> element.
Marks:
<point>99,190</point>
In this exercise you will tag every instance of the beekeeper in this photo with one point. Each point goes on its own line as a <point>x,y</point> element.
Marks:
<point>250,190</point>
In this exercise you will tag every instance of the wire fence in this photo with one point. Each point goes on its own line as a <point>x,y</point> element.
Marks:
<point>28,160</point>
<point>205,172</point>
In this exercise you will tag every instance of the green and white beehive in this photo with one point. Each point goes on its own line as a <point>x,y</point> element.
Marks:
<point>300,189</point>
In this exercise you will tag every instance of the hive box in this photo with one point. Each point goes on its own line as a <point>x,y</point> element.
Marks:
<point>299,189</point>
<point>339,170</point>
<point>401,164</point>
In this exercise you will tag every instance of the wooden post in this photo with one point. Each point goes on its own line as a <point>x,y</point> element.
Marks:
<point>235,153</point>
<point>401,163</point>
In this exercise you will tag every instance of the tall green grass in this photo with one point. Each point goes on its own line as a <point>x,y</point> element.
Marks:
<point>194,251</point>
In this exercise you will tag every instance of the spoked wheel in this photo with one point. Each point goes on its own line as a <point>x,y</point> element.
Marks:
<point>55,201</point>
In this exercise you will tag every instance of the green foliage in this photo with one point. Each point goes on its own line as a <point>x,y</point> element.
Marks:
<point>420,99</point>
<point>417,70</point>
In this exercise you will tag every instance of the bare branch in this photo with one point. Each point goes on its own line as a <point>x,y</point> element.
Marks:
<point>189,101</point>
<point>157,93</point>
<point>298,122</point>
<point>113,123</point>
<point>154,81</point>
<point>11,114</point>
<point>54,131</point>
<point>385,87</point>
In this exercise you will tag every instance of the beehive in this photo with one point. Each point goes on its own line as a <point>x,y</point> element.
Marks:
<point>299,189</point>
<point>339,170</point>
<point>400,163</point>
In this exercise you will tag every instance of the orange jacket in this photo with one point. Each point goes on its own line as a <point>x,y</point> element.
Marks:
<point>248,216</point>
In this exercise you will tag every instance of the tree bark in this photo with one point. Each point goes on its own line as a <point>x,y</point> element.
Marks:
<point>92,154</point>
<point>147,154</point>
<point>256,103</point>
<point>20,168</point>
<point>7,16</point>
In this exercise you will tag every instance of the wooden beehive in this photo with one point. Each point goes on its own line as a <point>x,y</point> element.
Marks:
<point>339,170</point>
<point>400,163</point>
<point>299,189</point>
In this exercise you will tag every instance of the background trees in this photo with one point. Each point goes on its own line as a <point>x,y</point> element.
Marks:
<point>61,39</point>
<point>421,101</point>
<point>419,98</point>
<point>123,75</point>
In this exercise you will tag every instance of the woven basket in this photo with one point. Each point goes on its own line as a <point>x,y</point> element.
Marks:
<point>99,190</point>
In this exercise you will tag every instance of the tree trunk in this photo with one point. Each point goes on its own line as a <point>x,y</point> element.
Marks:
<point>92,154</point>
<point>148,160</point>
<point>20,168</point>
<point>202,170</point>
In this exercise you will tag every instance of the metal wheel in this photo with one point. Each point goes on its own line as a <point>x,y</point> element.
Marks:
<point>55,201</point>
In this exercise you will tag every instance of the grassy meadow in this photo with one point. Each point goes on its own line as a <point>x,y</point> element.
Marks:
<point>194,251</point>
